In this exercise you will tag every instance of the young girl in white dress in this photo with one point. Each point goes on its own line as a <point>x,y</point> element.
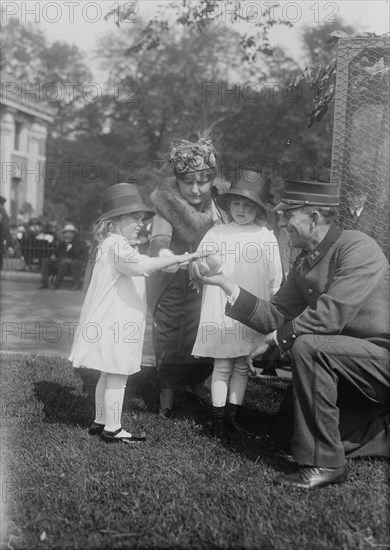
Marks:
<point>249,256</point>
<point>110,334</point>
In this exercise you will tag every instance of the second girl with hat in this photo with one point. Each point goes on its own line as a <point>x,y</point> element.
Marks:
<point>110,334</point>
<point>249,255</point>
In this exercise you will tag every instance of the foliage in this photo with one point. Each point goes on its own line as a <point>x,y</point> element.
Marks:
<point>322,78</point>
<point>194,80</point>
<point>181,489</point>
<point>198,16</point>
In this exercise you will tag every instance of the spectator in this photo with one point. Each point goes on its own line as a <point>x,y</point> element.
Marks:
<point>49,250</point>
<point>5,234</point>
<point>185,212</point>
<point>70,257</point>
<point>28,244</point>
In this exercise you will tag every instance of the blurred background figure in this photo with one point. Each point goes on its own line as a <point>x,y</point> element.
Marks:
<point>5,233</point>
<point>49,252</point>
<point>357,214</point>
<point>70,257</point>
<point>28,243</point>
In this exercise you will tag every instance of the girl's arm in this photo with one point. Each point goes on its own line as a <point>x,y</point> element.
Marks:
<point>130,262</point>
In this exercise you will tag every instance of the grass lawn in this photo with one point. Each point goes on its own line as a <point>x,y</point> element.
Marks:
<point>62,488</point>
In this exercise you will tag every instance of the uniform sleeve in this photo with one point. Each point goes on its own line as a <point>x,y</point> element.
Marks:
<point>358,272</point>
<point>161,235</point>
<point>265,316</point>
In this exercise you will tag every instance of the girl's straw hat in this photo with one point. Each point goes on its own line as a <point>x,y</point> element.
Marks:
<point>123,198</point>
<point>251,185</point>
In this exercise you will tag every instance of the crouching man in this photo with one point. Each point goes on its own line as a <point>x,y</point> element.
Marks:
<point>332,315</point>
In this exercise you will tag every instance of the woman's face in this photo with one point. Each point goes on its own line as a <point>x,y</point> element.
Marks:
<point>129,225</point>
<point>195,187</point>
<point>243,211</point>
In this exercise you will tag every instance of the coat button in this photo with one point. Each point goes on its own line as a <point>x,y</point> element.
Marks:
<point>294,336</point>
<point>310,291</point>
<point>284,341</point>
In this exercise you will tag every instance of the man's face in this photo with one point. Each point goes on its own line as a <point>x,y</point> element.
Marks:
<point>356,199</point>
<point>195,187</point>
<point>298,226</point>
<point>68,236</point>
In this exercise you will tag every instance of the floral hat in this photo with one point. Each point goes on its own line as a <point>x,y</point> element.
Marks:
<point>186,156</point>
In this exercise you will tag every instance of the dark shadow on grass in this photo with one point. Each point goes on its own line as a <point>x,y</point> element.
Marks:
<point>62,404</point>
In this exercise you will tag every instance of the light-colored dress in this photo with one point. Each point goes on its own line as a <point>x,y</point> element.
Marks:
<point>110,333</point>
<point>250,258</point>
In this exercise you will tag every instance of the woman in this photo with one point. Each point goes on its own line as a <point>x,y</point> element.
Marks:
<point>185,212</point>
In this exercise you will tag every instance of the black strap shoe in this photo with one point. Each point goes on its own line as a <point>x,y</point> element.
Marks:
<point>114,437</point>
<point>310,477</point>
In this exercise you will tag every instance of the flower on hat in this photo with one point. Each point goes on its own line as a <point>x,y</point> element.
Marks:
<point>186,155</point>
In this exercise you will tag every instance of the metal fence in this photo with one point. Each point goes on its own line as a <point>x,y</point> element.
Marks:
<point>360,155</point>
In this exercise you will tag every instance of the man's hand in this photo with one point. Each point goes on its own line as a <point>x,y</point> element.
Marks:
<point>259,349</point>
<point>219,279</point>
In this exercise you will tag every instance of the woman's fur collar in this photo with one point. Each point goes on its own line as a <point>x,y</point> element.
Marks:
<point>184,218</point>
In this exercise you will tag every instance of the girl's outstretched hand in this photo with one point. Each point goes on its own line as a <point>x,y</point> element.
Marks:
<point>184,259</point>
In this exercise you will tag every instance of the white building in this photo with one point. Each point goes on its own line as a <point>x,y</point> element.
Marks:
<point>23,129</point>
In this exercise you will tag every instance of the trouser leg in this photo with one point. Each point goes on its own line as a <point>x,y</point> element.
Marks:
<point>63,269</point>
<point>321,365</point>
<point>45,271</point>
<point>75,271</point>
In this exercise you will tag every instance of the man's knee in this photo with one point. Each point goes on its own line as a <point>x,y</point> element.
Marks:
<point>305,345</point>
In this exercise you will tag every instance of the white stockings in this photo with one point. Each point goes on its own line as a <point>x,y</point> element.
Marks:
<point>236,370</point>
<point>109,395</point>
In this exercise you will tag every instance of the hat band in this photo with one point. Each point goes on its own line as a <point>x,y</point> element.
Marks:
<point>125,200</point>
<point>309,203</point>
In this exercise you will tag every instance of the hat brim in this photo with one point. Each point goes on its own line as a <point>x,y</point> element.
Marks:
<point>288,206</point>
<point>285,206</point>
<point>222,199</point>
<point>121,210</point>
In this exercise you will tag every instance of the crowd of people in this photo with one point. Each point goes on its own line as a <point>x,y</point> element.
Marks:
<point>57,254</point>
<point>220,299</point>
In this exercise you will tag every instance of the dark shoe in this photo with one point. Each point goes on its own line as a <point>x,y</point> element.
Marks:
<point>44,285</point>
<point>166,413</point>
<point>95,429</point>
<point>112,437</point>
<point>309,477</point>
<point>219,424</point>
<point>232,416</point>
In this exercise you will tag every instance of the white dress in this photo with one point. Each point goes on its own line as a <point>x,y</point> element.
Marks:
<point>250,258</point>
<point>110,333</point>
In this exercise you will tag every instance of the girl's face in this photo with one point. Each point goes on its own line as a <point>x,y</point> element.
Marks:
<point>129,225</point>
<point>243,211</point>
<point>195,187</point>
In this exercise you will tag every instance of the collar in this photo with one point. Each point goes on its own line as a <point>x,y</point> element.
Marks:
<point>319,252</point>
<point>358,211</point>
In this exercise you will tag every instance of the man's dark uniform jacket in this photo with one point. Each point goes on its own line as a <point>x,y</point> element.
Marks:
<point>341,289</point>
